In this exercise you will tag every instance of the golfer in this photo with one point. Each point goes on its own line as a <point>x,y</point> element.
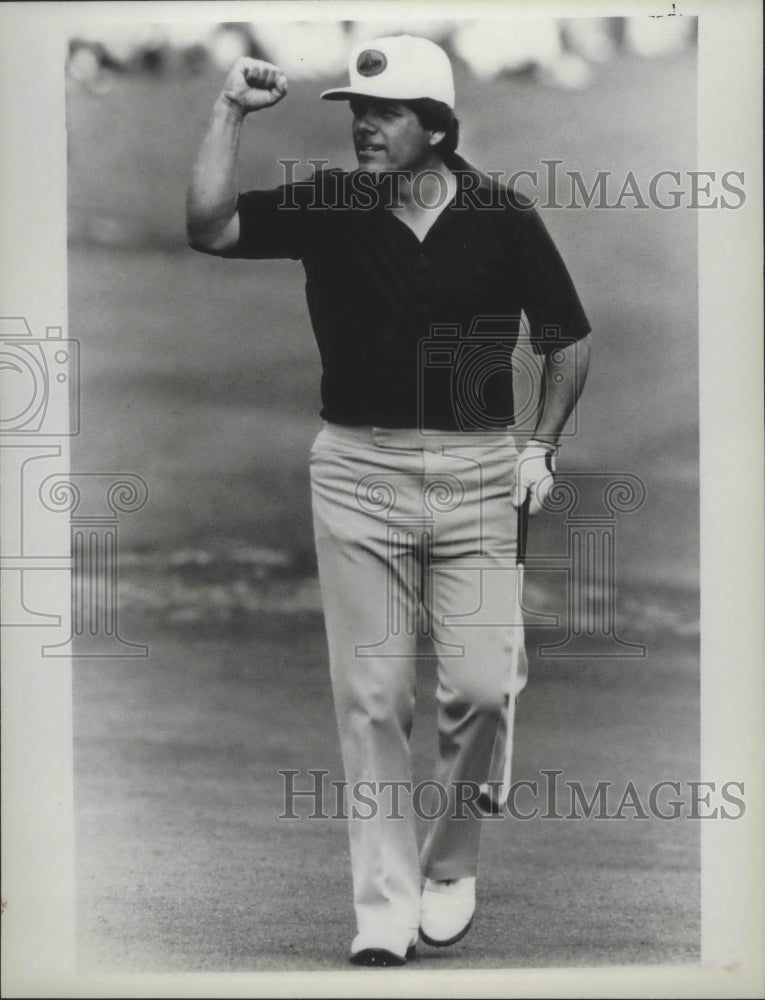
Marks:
<point>419,269</point>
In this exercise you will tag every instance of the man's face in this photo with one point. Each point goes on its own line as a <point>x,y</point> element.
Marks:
<point>387,135</point>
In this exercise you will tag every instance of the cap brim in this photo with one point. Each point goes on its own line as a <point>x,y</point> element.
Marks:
<point>343,94</point>
<point>346,93</point>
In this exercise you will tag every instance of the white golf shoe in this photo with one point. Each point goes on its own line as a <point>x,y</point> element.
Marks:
<point>446,910</point>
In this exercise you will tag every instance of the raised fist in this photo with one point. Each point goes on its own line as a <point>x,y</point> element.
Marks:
<point>253,84</point>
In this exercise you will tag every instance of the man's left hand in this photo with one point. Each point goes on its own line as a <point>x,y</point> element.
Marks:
<point>534,476</point>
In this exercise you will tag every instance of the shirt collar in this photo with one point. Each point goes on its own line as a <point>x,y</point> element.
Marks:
<point>458,166</point>
<point>462,169</point>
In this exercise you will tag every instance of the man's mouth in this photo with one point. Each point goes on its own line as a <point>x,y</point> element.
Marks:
<point>368,148</point>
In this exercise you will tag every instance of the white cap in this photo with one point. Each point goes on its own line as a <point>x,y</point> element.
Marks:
<point>398,68</point>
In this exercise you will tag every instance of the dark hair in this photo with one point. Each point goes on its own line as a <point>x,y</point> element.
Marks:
<point>435,116</point>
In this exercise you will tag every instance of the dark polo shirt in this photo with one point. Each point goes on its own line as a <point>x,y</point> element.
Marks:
<point>410,333</point>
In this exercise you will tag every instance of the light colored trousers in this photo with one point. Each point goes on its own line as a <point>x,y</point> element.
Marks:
<point>415,535</point>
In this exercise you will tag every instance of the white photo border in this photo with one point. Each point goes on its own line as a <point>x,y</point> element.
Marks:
<point>38,861</point>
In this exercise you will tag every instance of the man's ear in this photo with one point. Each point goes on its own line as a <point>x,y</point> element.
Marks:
<point>435,138</point>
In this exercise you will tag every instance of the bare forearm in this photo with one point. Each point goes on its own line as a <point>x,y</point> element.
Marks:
<point>212,222</point>
<point>213,191</point>
<point>562,384</point>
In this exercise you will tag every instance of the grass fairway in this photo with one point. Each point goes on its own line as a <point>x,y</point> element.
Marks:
<point>184,863</point>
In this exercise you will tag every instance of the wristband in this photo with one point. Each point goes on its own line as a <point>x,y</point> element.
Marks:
<point>551,449</point>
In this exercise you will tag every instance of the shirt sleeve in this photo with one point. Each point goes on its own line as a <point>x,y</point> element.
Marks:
<point>550,301</point>
<point>272,224</point>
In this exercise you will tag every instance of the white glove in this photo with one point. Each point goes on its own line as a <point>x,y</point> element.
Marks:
<point>534,476</point>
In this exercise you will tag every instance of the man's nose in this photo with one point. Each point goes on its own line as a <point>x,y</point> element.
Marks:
<point>365,123</point>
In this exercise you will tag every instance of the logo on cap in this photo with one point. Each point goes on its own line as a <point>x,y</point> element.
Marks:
<point>371,62</point>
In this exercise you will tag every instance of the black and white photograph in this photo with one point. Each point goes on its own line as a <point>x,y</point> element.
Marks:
<point>382,510</point>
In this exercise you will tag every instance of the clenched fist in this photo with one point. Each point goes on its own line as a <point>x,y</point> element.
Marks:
<point>253,84</point>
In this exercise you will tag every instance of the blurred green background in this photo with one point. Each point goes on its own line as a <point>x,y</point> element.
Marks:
<point>202,374</point>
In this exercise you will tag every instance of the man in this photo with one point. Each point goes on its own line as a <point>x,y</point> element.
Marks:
<point>418,268</point>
